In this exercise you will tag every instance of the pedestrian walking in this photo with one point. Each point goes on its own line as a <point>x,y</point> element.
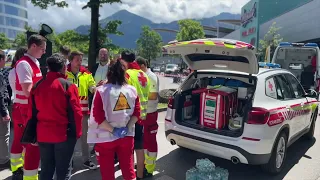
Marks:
<point>150,125</point>
<point>4,117</point>
<point>59,122</point>
<point>83,79</point>
<point>28,73</point>
<point>115,110</point>
<point>137,78</point>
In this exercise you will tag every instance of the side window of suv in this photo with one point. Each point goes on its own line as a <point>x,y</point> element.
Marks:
<point>271,89</point>
<point>296,87</point>
<point>284,86</point>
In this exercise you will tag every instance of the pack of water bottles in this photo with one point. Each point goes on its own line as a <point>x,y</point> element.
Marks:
<point>206,170</point>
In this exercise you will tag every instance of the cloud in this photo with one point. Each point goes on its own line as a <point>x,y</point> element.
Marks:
<point>156,10</point>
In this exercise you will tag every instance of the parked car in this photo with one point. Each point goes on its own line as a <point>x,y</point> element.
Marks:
<point>171,69</point>
<point>156,69</point>
<point>270,112</point>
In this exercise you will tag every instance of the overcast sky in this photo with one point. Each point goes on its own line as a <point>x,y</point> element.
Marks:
<point>156,10</point>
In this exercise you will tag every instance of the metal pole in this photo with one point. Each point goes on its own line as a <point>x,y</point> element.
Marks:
<point>217,28</point>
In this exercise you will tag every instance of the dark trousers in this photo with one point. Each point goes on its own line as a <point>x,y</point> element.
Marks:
<point>56,157</point>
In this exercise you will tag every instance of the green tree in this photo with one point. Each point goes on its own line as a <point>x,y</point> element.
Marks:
<point>272,38</point>
<point>189,30</point>
<point>94,6</point>
<point>149,43</point>
<point>103,40</point>
<point>72,39</point>
<point>4,41</point>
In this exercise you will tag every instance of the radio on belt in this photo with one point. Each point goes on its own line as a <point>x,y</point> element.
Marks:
<point>217,106</point>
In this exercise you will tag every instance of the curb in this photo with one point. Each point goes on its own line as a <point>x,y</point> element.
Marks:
<point>162,109</point>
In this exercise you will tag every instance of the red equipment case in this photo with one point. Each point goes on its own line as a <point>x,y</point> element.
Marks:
<point>217,106</point>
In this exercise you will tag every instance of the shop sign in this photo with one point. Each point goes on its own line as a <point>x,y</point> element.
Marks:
<point>247,17</point>
<point>249,32</point>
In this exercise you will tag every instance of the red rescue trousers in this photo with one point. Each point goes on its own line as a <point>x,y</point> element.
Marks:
<point>105,155</point>
<point>16,153</point>
<point>150,128</point>
<point>32,153</point>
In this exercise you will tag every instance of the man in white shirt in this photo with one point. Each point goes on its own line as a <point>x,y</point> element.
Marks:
<point>150,125</point>
<point>100,70</point>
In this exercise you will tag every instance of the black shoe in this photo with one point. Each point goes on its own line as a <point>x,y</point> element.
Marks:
<point>18,174</point>
<point>90,165</point>
<point>5,165</point>
<point>146,174</point>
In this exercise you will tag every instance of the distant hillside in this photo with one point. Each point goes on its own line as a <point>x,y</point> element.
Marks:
<point>131,27</point>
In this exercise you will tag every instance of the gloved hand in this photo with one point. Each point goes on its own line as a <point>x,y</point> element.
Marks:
<point>120,132</point>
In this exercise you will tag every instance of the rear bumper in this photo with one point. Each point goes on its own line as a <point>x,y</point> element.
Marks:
<point>215,148</point>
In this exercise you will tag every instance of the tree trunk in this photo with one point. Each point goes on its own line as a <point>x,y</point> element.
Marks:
<point>93,33</point>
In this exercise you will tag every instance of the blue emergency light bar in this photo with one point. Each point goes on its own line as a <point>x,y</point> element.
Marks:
<point>284,44</point>
<point>269,65</point>
<point>311,45</point>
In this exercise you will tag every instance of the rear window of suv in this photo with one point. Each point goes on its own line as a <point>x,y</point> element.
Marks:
<point>204,57</point>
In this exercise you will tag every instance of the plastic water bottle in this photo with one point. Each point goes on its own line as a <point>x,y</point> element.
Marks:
<point>205,165</point>
<point>222,173</point>
<point>192,174</point>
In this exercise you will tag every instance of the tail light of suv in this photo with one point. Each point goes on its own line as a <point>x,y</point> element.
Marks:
<point>169,109</point>
<point>258,116</point>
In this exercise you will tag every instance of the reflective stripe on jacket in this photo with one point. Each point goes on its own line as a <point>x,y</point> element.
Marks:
<point>85,82</point>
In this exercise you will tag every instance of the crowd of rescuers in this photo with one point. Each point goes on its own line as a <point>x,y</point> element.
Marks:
<point>113,107</point>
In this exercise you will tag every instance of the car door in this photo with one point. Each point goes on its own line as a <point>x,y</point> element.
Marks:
<point>291,103</point>
<point>304,112</point>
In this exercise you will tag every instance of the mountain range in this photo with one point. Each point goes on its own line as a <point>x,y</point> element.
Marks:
<point>132,23</point>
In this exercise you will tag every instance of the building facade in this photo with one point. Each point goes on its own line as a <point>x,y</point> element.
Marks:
<point>298,20</point>
<point>13,17</point>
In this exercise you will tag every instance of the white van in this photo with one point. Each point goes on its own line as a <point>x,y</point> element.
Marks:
<point>302,60</point>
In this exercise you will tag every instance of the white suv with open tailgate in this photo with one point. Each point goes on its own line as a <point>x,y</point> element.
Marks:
<point>230,108</point>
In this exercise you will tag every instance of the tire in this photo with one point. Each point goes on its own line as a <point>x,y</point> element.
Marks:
<point>310,134</point>
<point>271,167</point>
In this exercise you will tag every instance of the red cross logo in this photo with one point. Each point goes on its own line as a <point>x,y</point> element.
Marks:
<point>270,86</point>
<point>142,79</point>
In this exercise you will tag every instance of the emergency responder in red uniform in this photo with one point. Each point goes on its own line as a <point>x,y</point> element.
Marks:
<point>137,78</point>
<point>115,110</point>
<point>56,143</point>
<point>150,125</point>
<point>27,74</point>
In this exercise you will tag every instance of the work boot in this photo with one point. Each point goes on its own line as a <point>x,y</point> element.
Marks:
<point>90,165</point>
<point>18,174</point>
<point>146,174</point>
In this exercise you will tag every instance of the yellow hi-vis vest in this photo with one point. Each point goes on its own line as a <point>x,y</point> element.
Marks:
<point>140,81</point>
<point>85,82</point>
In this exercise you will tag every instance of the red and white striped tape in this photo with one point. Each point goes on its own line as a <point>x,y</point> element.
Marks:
<point>169,75</point>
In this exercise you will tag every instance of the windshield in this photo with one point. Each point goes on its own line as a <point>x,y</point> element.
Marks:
<point>171,66</point>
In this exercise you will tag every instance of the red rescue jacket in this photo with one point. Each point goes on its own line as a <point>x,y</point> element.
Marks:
<point>51,102</point>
